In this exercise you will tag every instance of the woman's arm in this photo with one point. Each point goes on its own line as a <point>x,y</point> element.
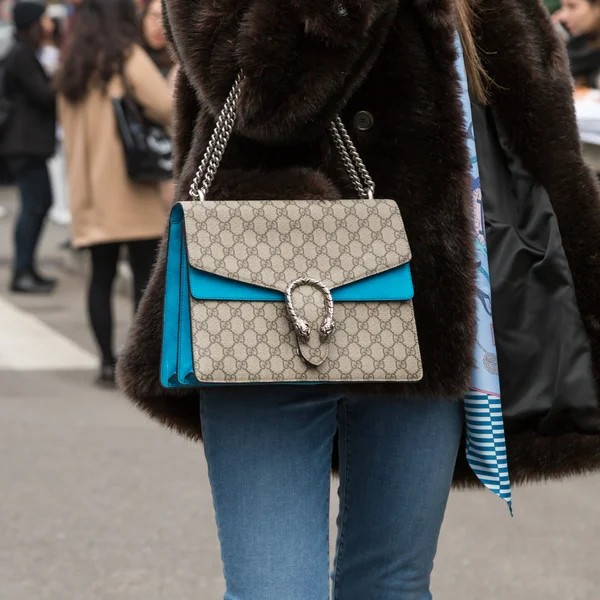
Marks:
<point>301,59</point>
<point>149,88</point>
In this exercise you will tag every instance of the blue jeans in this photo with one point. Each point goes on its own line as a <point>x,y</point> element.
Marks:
<point>269,456</point>
<point>35,190</point>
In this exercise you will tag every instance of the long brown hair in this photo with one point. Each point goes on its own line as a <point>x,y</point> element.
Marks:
<point>479,80</point>
<point>104,32</point>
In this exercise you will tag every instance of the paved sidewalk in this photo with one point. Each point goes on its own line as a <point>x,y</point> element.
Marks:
<point>98,503</point>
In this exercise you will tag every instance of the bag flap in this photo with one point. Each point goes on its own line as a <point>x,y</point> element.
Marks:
<point>270,244</point>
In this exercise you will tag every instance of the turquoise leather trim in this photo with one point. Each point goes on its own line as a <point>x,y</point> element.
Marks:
<point>168,366</point>
<point>174,347</point>
<point>185,364</point>
<point>392,285</point>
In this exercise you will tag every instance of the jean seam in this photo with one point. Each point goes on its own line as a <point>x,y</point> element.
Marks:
<point>343,502</point>
<point>211,478</point>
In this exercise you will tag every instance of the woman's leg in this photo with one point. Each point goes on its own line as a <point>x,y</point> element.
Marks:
<point>141,254</point>
<point>104,270</point>
<point>35,191</point>
<point>269,458</point>
<point>396,464</point>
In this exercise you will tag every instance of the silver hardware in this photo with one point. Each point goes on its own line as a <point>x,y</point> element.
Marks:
<point>342,10</point>
<point>224,127</point>
<point>301,327</point>
<point>216,147</point>
<point>352,161</point>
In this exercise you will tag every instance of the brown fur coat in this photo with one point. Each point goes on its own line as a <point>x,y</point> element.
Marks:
<point>305,62</point>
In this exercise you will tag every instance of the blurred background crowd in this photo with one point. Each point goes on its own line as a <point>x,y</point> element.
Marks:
<point>86,92</point>
<point>85,109</point>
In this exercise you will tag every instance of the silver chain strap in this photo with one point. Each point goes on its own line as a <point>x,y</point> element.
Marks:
<point>355,167</point>
<point>215,150</point>
<point>216,147</point>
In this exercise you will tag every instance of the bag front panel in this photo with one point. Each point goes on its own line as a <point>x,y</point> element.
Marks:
<point>253,342</point>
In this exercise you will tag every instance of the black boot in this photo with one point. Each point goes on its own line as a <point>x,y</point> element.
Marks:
<point>27,283</point>
<point>44,280</point>
<point>106,377</point>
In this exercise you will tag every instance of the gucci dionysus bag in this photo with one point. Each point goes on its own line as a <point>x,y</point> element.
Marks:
<point>287,291</point>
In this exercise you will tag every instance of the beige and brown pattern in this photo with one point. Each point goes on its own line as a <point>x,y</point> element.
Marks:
<point>274,243</point>
<point>239,342</point>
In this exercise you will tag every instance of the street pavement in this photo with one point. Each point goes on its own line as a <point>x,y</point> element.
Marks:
<point>99,503</point>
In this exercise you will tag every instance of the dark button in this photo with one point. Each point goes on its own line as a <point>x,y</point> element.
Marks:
<point>363,120</point>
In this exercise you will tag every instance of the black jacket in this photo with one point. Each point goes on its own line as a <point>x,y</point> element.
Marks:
<point>31,132</point>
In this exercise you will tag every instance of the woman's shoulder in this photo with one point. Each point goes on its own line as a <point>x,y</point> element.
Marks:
<point>19,56</point>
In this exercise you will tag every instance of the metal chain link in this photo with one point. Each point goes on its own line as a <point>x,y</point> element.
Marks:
<point>215,150</point>
<point>347,160</point>
<point>350,155</point>
<point>218,143</point>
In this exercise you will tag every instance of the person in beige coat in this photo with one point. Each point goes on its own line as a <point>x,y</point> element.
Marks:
<point>108,209</point>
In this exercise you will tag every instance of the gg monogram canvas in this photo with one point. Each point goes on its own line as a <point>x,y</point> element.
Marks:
<point>231,264</point>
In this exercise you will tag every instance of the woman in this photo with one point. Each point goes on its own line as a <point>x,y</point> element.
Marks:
<point>49,51</point>
<point>28,140</point>
<point>101,61</point>
<point>155,42</point>
<point>394,73</point>
<point>582,20</point>
<point>49,57</point>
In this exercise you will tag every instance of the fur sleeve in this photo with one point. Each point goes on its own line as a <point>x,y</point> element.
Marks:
<point>185,112</point>
<point>302,59</point>
<point>532,98</point>
<point>526,60</point>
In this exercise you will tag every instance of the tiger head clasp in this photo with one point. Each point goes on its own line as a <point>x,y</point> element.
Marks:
<point>302,328</point>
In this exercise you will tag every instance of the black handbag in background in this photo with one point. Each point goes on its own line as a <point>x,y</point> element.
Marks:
<point>147,147</point>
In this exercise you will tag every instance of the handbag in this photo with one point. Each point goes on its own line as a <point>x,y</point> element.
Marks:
<point>148,149</point>
<point>303,291</point>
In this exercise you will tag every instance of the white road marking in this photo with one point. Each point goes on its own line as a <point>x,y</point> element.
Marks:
<point>28,344</point>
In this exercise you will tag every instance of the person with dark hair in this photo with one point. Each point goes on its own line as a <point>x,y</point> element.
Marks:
<point>155,42</point>
<point>103,59</point>
<point>28,141</point>
<point>156,45</point>
<point>581,18</point>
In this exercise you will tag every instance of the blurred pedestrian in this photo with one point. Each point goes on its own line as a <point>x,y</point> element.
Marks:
<point>582,20</point>
<point>29,140</point>
<point>156,45</point>
<point>49,50</point>
<point>104,60</point>
<point>155,42</point>
<point>49,56</point>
